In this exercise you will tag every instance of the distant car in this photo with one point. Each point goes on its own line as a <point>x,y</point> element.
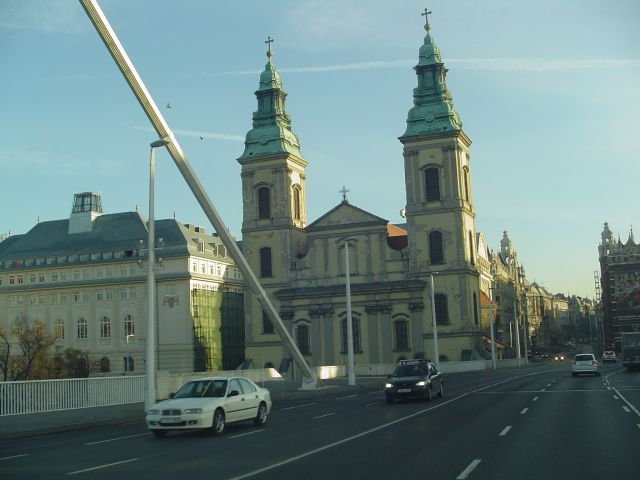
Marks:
<point>558,357</point>
<point>414,379</point>
<point>210,403</point>
<point>585,363</point>
<point>609,356</point>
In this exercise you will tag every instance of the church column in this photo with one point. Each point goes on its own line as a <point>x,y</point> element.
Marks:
<point>327,330</point>
<point>417,328</point>
<point>372,330</point>
<point>315,315</point>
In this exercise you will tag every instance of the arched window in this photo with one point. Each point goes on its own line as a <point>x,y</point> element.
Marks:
<point>472,256</point>
<point>297,212</point>
<point>302,338</point>
<point>264,203</point>
<point>475,308</point>
<point>442,311</point>
<point>82,329</point>
<point>356,335</point>
<point>267,326</point>
<point>265,262</point>
<point>432,184</point>
<point>465,175</point>
<point>105,366</point>
<point>105,327</point>
<point>401,335</point>
<point>60,329</point>
<point>436,251</point>
<point>129,325</point>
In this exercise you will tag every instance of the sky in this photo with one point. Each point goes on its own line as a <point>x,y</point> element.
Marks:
<point>548,92</point>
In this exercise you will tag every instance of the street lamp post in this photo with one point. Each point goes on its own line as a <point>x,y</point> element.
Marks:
<point>150,397</point>
<point>434,324</point>
<point>493,338</point>
<point>350,373</point>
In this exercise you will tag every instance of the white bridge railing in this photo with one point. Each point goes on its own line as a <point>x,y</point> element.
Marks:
<point>52,395</point>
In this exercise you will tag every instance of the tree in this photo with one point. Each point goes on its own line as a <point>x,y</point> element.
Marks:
<point>5,355</point>
<point>33,343</point>
<point>72,363</point>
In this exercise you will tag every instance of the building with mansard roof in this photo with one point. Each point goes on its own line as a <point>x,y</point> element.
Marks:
<point>302,264</point>
<point>620,286</point>
<point>84,278</point>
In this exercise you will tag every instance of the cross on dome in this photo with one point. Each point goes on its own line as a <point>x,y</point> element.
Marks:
<point>426,14</point>
<point>269,41</point>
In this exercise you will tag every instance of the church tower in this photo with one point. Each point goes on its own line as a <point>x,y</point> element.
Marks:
<point>439,209</point>
<point>273,196</point>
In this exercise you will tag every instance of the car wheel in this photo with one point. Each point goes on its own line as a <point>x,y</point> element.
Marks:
<point>261,417</point>
<point>159,433</point>
<point>441,392</point>
<point>389,400</point>
<point>218,422</point>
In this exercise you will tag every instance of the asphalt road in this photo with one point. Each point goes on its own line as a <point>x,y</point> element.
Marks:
<point>528,423</point>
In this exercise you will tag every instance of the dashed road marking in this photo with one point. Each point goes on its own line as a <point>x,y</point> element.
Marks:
<point>248,433</point>
<point>505,431</point>
<point>26,455</point>
<point>374,403</point>
<point>103,466</point>
<point>114,439</point>
<point>347,396</point>
<point>465,473</point>
<point>626,409</point>
<point>535,399</point>
<point>298,406</point>
<point>325,415</point>
<point>524,410</point>
<point>616,397</point>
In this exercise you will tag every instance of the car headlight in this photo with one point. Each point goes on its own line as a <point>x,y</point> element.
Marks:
<point>153,412</point>
<point>388,385</point>
<point>192,411</point>
<point>421,383</point>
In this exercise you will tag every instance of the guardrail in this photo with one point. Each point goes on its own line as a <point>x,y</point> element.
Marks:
<point>52,395</point>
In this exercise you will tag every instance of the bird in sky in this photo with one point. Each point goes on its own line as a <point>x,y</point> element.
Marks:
<point>168,105</point>
<point>201,138</point>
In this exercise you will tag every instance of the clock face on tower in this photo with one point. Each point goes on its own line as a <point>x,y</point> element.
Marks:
<point>429,117</point>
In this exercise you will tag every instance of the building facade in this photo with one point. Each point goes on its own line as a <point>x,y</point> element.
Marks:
<point>620,286</point>
<point>303,266</point>
<point>85,279</point>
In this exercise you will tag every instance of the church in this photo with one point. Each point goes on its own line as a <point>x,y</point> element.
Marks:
<point>400,275</point>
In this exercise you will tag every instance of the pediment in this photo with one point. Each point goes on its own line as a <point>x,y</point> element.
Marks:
<point>345,214</point>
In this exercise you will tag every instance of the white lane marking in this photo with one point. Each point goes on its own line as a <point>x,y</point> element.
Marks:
<point>548,385</point>
<point>535,399</point>
<point>638,425</point>
<point>102,466</point>
<point>297,406</point>
<point>629,404</point>
<point>114,439</point>
<point>465,473</point>
<point>374,393</point>
<point>608,388</point>
<point>524,410</point>
<point>248,433</point>
<point>22,455</point>
<point>325,415</point>
<point>372,430</point>
<point>348,396</point>
<point>616,397</point>
<point>505,431</point>
<point>626,409</point>
<point>374,403</point>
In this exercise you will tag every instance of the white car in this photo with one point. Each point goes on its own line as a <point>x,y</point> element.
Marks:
<point>210,403</point>
<point>585,363</point>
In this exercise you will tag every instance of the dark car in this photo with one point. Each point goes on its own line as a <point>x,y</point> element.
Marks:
<point>414,379</point>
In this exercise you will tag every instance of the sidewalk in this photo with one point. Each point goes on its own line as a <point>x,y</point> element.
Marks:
<point>33,424</point>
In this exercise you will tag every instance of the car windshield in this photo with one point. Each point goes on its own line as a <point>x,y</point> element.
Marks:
<point>584,358</point>
<point>409,371</point>
<point>202,388</point>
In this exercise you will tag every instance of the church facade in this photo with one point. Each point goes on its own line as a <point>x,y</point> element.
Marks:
<point>302,264</point>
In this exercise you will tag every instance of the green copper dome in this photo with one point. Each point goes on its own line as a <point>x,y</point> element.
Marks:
<point>271,132</point>
<point>432,110</point>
